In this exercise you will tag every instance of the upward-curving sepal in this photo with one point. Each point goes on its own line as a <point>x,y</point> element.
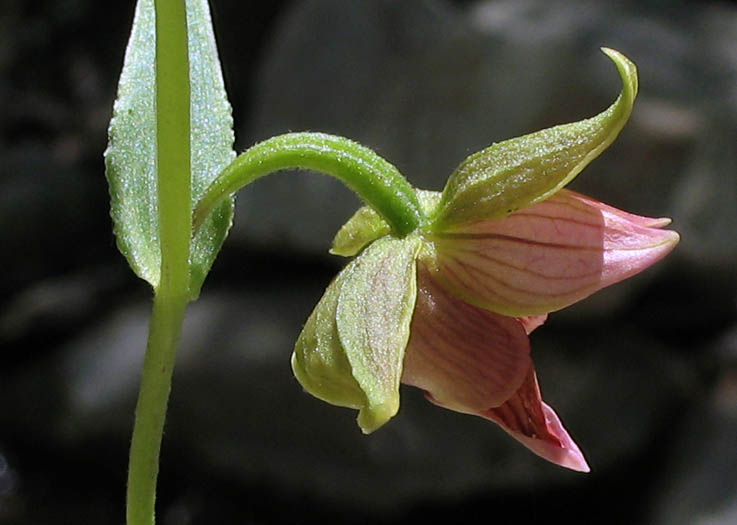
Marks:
<point>520,172</point>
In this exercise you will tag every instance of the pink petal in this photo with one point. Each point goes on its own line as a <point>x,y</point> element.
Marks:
<point>466,358</point>
<point>534,424</point>
<point>547,256</point>
<point>648,222</point>
<point>530,322</point>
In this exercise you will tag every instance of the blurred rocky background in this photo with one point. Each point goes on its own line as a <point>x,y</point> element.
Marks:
<point>644,375</point>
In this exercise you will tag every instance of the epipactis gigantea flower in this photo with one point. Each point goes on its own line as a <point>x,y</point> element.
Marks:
<point>448,308</point>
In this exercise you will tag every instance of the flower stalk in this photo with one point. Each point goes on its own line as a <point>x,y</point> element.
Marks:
<point>374,179</point>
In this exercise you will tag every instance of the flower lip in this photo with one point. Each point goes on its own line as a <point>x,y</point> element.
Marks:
<point>544,434</point>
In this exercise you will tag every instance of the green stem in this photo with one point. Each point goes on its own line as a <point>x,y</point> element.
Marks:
<point>374,179</point>
<point>164,329</point>
<point>172,293</point>
<point>172,137</point>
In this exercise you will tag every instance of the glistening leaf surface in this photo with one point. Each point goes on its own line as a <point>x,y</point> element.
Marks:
<point>130,158</point>
<point>212,138</point>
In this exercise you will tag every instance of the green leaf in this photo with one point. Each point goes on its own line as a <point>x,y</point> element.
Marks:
<point>373,318</point>
<point>130,158</point>
<point>520,172</point>
<point>212,138</point>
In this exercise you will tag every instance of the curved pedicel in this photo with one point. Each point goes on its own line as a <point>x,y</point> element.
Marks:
<point>374,179</point>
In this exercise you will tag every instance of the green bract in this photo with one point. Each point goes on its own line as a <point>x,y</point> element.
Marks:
<point>130,158</point>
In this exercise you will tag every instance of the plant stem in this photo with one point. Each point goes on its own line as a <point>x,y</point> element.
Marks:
<point>163,338</point>
<point>175,226</point>
<point>373,178</point>
<point>172,137</point>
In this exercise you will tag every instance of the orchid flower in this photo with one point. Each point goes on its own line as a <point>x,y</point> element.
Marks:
<point>449,306</point>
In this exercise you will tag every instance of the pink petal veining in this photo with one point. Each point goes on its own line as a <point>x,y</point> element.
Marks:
<point>547,256</point>
<point>467,358</point>
<point>534,424</point>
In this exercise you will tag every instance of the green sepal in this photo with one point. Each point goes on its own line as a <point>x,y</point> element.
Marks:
<point>520,172</point>
<point>319,362</point>
<point>374,314</point>
<point>130,158</point>
<point>351,349</point>
<point>366,225</point>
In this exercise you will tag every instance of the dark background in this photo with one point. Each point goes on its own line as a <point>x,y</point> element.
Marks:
<point>644,375</point>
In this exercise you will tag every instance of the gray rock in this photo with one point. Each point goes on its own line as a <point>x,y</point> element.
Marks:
<point>705,202</point>
<point>701,482</point>
<point>237,411</point>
